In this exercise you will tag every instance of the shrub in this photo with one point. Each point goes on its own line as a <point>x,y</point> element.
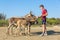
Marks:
<point>3,23</point>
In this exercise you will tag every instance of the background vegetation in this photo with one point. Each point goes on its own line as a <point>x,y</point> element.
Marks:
<point>50,21</point>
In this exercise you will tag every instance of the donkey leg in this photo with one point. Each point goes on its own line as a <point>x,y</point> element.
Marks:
<point>24,31</point>
<point>28,28</point>
<point>12,30</point>
<point>18,30</point>
<point>8,28</point>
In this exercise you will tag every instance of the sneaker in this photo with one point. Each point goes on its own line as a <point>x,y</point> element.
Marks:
<point>42,34</point>
<point>45,34</point>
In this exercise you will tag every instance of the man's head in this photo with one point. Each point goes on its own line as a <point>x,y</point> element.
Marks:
<point>41,7</point>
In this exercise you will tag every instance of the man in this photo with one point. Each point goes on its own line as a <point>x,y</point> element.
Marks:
<point>43,16</point>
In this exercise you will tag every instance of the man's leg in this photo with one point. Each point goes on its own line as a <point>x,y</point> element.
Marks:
<point>44,28</point>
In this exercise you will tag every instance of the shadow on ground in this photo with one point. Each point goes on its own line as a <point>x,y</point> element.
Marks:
<point>50,32</point>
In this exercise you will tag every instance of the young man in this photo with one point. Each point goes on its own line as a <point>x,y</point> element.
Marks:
<point>43,16</point>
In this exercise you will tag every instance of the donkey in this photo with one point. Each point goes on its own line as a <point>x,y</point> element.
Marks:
<point>19,22</point>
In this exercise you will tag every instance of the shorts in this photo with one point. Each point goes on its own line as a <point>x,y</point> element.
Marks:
<point>44,21</point>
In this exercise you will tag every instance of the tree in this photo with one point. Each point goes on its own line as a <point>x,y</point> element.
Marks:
<point>2,16</point>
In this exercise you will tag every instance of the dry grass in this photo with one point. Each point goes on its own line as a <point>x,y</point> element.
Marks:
<point>53,34</point>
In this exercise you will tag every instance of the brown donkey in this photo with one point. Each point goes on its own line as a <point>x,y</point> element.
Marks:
<point>19,22</point>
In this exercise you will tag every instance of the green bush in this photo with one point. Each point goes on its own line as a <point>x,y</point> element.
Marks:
<point>3,23</point>
<point>39,21</point>
<point>50,21</point>
<point>53,21</point>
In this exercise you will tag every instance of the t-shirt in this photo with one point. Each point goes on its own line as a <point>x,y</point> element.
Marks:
<point>44,11</point>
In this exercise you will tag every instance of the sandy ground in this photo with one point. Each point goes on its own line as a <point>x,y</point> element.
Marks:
<point>53,34</point>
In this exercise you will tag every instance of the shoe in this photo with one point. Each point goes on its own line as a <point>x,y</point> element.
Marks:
<point>45,34</point>
<point>42,34</point>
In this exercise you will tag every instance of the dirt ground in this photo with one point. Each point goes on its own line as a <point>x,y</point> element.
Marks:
<point>53,34</point>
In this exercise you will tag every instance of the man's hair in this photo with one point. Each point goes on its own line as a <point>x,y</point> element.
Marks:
<point>42,6</point>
